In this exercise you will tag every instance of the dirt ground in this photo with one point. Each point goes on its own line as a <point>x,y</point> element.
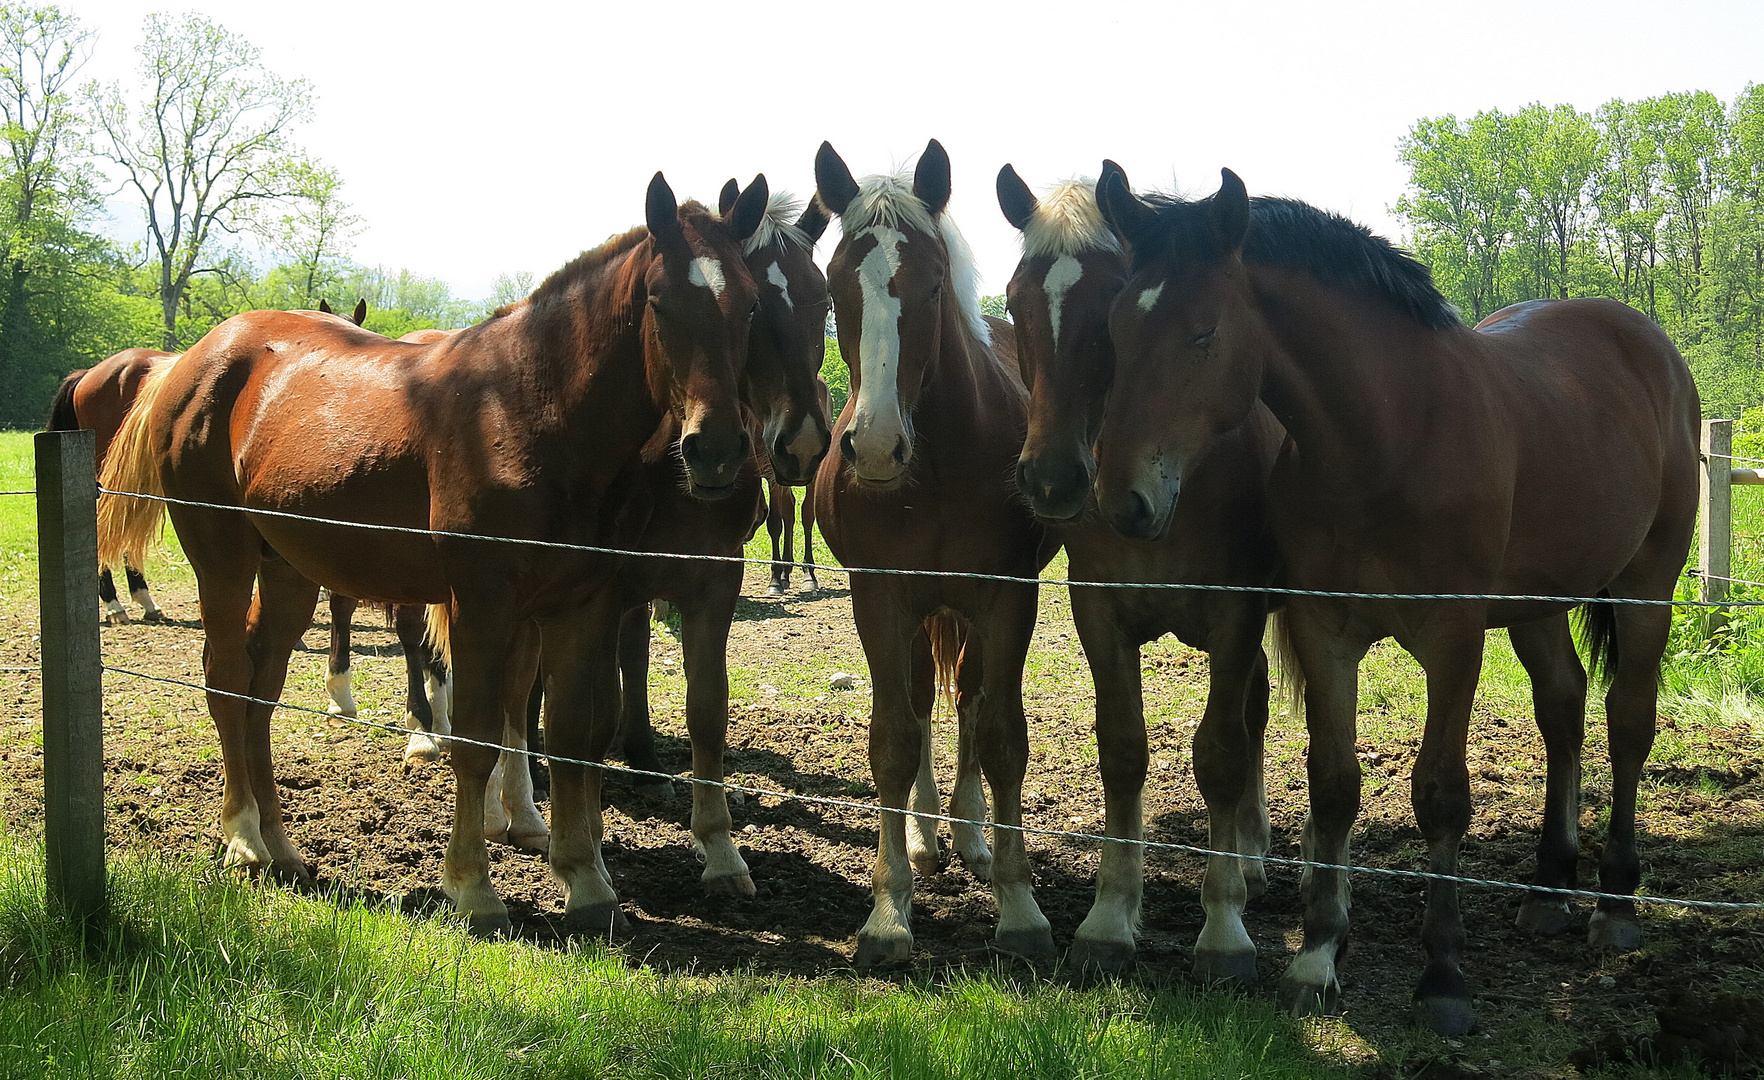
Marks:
<point>363,820</point>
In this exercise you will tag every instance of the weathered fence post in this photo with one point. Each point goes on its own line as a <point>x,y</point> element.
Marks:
<point>73,717</point>
<point>1715,529</point>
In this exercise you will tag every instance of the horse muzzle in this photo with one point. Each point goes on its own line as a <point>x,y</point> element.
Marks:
<point>1139,512</point>
<point>1056,488</point>
<point>713,461</point>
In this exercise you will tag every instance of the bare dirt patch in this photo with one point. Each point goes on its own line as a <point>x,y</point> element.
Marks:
<point>364,821</point>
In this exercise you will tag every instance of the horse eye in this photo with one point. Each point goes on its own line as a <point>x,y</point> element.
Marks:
<point>1203,337</point>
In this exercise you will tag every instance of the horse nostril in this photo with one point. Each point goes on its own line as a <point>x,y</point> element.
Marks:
<point>689,446</point>
<point>900,449</point>
<point>848,448</point>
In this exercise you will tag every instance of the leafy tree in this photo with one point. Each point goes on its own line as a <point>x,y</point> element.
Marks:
<point>209,142</point>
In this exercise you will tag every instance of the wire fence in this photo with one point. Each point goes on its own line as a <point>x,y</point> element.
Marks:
<point>1027,830</point>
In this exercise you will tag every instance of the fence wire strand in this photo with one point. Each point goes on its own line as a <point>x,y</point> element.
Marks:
<point>1027,830</point>
<point>1273,590</point>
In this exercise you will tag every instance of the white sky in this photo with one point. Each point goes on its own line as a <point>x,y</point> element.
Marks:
<point>477,139</point>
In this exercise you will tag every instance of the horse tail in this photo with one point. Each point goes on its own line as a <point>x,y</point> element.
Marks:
<point>440,633</point>
<point>125,525</point>
<point>61,410</point>
<point>1289,677</point>
<point>1598,628</point>
<point>949,636</point>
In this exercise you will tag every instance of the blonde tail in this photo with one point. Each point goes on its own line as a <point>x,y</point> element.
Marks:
<point>126,525</point>
<point>440,633</point>
<point>1289,677</point>
<point>948,638</point>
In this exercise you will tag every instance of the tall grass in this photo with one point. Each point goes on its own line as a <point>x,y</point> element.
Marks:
<point>197,974</point>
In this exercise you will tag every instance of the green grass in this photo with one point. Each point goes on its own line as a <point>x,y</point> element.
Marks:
<point>197,974</point>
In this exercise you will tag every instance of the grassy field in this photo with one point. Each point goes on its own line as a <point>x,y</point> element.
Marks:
<point>201,972</point>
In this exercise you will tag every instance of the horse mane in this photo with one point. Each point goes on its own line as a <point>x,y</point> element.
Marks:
<point>1067,221</point>
<point>887,200</point>
<point>778,226</point>
<point>585,265</point>
<point>1295,235</point>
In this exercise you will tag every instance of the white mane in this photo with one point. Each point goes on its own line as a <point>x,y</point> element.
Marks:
<point>779,225</point>
<point>888,201</point>
<point>1067,221</point>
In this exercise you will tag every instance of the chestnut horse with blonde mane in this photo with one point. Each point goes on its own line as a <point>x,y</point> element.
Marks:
<point>523,426</point>
<point>1552,451</point>
<point>927,443</point>
<point>1072,269</point>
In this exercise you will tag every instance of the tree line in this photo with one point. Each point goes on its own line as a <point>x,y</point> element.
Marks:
<point>1658,203</point>
<point>201,144</point>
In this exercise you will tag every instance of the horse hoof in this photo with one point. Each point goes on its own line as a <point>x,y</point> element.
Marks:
<point>1101,957</point>
<point>811,586</point>
<point>538,843</point>
<point>1301,999</point>
<point>1614,932</point>
<point>1033,943</point>
<point>337,710</point>
<point>117,618</point>
<point>154,616</point>
<point>603,920</point>
<point>296,875</point>
<point>1233,969</point>
<point>422,749</point>
<point>1445,1016</point>
<point>1255,885</point>
<point>492,924</point>
<point>730,885</point>
<point>872,951</point>
<point>1543,917</point>
<point>979,866</point>
<point>775,590</point>
<point>650,787</point>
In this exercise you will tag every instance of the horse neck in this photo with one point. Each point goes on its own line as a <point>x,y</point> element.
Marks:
<point>962,388</point>
<point>1344,376</point>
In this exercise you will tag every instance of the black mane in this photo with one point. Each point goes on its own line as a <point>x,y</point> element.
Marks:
<point>1298,236</point>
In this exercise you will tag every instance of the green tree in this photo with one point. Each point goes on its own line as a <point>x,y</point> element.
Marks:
<point>208,143</point>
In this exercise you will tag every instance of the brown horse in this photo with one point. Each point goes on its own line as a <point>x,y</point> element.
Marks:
<point>522,426</point>
<point>98,398</point>
<point>780,522</point>
<point>927,443</point>
<point>1554,452</point>
<point>1071,271</point>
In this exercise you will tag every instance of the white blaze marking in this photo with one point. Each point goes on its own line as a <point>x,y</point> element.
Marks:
<point>776,277</point>
<point>707,272</point>
<point>877,424</point>
<point>1061,276</point>
<point>1149,297</point>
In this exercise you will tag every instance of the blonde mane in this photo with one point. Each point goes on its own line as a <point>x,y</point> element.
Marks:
<point>779,225</point>
<point>1067,221</point>
<point>888,201</point>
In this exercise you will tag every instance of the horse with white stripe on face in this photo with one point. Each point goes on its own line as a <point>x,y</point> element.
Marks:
<point>927,443</point>
<point>1072,269</point>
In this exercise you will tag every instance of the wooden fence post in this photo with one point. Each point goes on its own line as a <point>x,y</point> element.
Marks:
<point>1715,527</point>
<point>73,704</point>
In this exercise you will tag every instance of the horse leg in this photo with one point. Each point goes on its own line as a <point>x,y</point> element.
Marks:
<point>1558,697</point>
<point>704,640</point>
<point>536,733</point>
<point>337,675</point>
<point>968,799</point>
<point>141,594</point>
<point>510,815</point>
<point>780,518</point>
<point>1003,634</point>
<point>1331,666</point>
<point>580,658</point>
<point>1630,704</point>
<point>1452,659</point>
<point>808,539</point>
<point>282,612</point>
<point>888,630</point>
<point>1223,762</point>
<point>923,849</point>
<point>410,621</point>
<point>114,612</point>
<point>1105,940</point>
<point>482,645</point>
<point>635,730</point>
<point>1254,836</point>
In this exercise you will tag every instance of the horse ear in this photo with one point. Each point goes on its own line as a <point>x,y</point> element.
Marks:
<point>931,178</point>
<point>662,214</point>
<point>833,182</point>
<point>1014,198</point>
<point>750,208</point>
<point>726,198</point>
<point>1109,168</point>
<point>814,219</point>
<point>325,307</point>
<point>1123,210</point>
<point>1231,211</point>
<point>360,314</point>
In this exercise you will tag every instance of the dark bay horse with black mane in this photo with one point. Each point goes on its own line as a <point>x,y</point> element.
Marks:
<point>1552,452</point>
<point>927,442</point>
<point>522,426</point>
<point>1072,269</point>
